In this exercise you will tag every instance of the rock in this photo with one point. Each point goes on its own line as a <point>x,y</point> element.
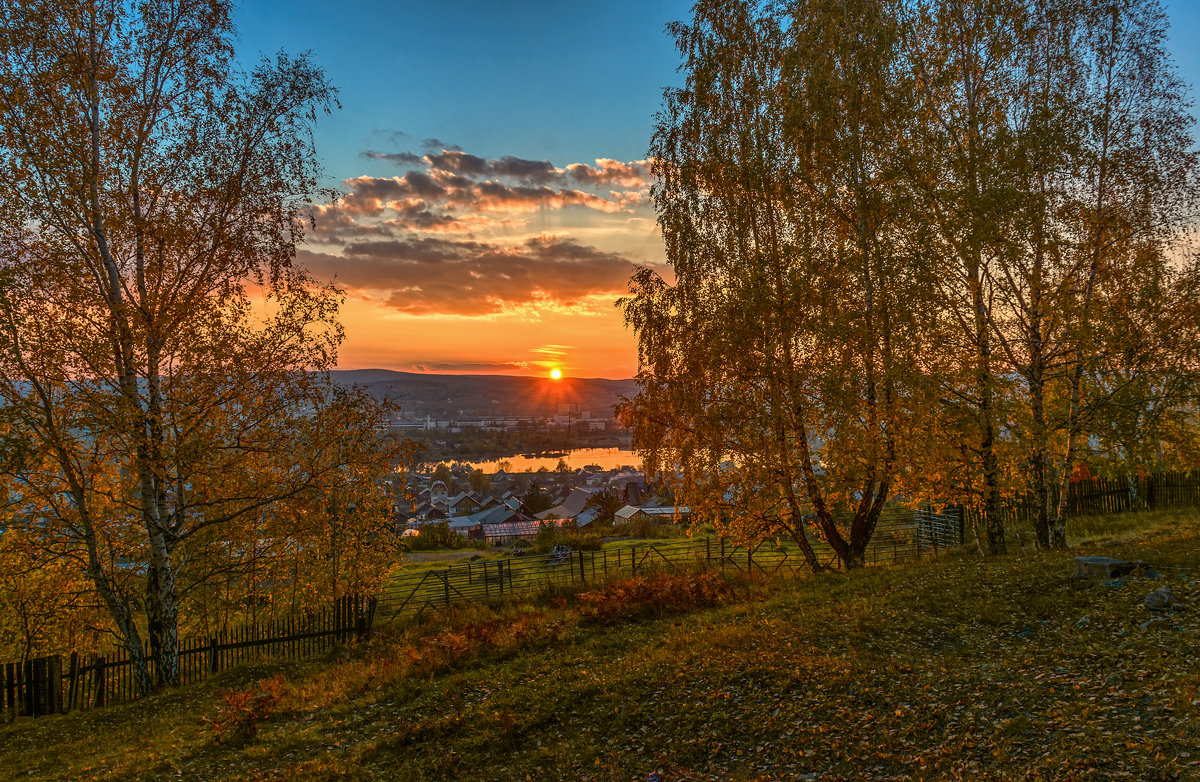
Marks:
<point>1162,600</point>
<point>1109,569</point>
<point>1083,622</point>
<point>1101,568</point>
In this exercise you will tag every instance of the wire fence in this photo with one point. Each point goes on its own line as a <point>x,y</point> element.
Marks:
<point>901,535</point>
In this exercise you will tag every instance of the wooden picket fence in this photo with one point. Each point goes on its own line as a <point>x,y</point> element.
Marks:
<point>1098,496</point>
<point>1101,496</point>
<point>58,684</point>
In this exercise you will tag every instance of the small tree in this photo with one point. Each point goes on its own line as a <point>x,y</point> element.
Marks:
<point>536,500</point>
<point>479,482</point>
<point>607,503</point>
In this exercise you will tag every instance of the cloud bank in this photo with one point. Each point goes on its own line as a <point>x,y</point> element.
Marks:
<point>452,233</point>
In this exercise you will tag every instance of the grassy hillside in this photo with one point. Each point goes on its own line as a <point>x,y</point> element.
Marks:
<point>954,669</point>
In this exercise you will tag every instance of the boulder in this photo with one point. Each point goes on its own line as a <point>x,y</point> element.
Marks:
<point>1162,600</point>
<point>1110,569</point>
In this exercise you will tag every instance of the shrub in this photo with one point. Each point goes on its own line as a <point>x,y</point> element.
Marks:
<point>236,720</point>
<point>436,535</point>
<point>649,529</point>
<point>648,596</point>
<point>550,534</point>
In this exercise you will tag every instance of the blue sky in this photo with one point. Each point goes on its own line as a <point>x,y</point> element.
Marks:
<point>559,80</point>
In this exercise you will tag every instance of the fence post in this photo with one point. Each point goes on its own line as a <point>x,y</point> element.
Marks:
<point>101,683</point>
<point>582,579</point>
<point>73,686</point>
<point>359,633</point>
<point>10,689</point>
<point>722,556</point>
<point>214,663</point>
<point>372,605</point>
<point>54,681</point>
<point>28,697</point>
<point>33,690</point>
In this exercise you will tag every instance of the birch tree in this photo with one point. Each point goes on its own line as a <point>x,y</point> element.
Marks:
<point>779,371</point>
<point>159,346</point>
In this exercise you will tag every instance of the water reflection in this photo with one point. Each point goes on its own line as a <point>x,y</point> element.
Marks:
<point>605,458</point>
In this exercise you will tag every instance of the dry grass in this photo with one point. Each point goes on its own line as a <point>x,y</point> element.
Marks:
<point>955,669</point>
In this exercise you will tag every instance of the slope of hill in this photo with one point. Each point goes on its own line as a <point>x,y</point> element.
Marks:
<point>477,396</point>
<point>964,669</point>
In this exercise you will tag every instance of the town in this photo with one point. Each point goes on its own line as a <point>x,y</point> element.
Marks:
<point>504,507</point>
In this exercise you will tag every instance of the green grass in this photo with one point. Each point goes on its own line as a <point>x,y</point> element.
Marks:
<point>958,668</point>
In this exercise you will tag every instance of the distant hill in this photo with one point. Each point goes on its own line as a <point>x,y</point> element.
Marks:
<point>474,396</point>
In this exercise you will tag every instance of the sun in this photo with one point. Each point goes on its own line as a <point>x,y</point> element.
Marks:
<point>555,374</point>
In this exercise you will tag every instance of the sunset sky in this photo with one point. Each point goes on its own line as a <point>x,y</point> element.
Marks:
<point>492,161</point>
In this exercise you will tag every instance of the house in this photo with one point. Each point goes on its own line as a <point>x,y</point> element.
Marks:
<point>571,506</point>
<point>587,516</point>
<point>629,486</point>
<point>461,504</point>
<point>627,514</point>
<point>476,524</point>
<point>667,515</point>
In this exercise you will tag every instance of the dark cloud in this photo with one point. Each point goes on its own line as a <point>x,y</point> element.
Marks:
<point>535,171</point>
<point>417,216</point>
<point>432,275</point>
<point>370,196</point>
<point>442,157</point>
<point>494,196</point>
<point>469,366</point>
<point>417,250</point>
<point>458,162</point>
<point>432,144</point>
<point>335,225</point>
<point>399,158</point>
<point>528,171</point>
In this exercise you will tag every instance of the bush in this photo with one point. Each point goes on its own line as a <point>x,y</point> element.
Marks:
<point>436,535</point>
<point>550,534</point>
<point>236,721</point>
<point>652,596</point>
<point>649,529</point>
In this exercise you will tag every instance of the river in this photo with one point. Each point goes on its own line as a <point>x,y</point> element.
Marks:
<point>606,458</point>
